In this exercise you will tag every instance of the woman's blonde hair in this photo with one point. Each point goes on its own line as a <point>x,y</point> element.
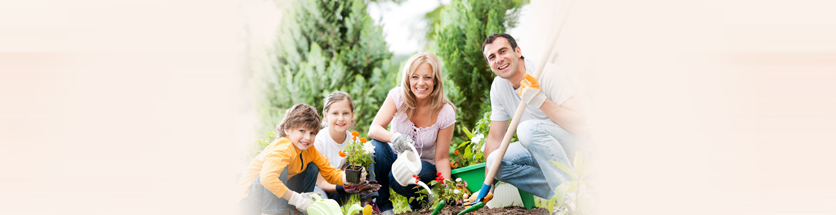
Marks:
<point>333,98</point>
<point>437,97</point>
<point>300,115</point>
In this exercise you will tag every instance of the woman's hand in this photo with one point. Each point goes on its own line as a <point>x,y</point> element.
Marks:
<point>402,142</point>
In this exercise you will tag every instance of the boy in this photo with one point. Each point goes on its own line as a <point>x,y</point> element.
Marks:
<point>285,172</point>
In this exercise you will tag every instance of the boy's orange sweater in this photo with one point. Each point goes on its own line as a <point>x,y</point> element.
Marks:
<point>283,154</point>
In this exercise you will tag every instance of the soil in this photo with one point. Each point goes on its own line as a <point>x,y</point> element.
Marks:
<point>511,210</point>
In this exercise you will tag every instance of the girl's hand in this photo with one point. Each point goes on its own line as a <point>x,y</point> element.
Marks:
<point>363,187</point>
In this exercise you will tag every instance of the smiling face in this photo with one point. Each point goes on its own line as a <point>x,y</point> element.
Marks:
<point>339,116</point>
<point>422,82</point>
<point>302,138</point>
<point>503,60</point>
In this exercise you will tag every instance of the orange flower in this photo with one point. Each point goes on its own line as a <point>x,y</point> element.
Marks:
<point>453,165</point>
<point>354,133</point>
<point>363,140</point>
<point>354,138</point>
<point>457,152</point>
<point>343,154</point>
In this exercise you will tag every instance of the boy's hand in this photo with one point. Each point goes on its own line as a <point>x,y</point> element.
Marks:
<point>301,201</point>
<point>401,142</point>
<point>530,92</point>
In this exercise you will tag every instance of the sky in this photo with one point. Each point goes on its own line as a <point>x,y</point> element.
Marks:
<point>402,23</point>
<point>404,27</point>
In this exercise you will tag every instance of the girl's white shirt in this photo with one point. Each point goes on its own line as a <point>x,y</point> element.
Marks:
<point>330,148</point>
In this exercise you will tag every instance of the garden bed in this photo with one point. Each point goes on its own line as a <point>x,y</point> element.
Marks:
<point>512,210</point>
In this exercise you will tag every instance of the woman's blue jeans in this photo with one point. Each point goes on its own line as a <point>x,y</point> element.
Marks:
<point>383,159</point>
<point>261,200</point>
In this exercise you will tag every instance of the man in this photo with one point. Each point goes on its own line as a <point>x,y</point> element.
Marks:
<point>550,127</point>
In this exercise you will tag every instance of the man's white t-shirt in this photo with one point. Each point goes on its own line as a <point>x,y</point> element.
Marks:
<point>329,148</point>
<point>554,83</point>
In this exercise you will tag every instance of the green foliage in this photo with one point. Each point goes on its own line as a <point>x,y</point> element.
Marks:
<point>421,197</point>
<point>449,191</point>
<point>324,46</point>
<point>400,203</point>
<point>260,144</point>
<point>463,27</point>
<point>470,152</point>
<point>360,152</point>
<point>352,200</point>
<point>578,188</point>
<point>433,19</point>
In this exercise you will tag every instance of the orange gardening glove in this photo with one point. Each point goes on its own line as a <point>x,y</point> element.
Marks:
<point>530,92</point>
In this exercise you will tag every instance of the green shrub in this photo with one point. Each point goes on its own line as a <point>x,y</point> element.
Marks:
<point>260,144</point>
<point>471,151</point>
<point>463,27</point>
<point>324,46</point>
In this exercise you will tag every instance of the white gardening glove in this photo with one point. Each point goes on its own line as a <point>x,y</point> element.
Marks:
<point>401,142</point>
<point>301,201</point>
<point>363,175</point>
<point>530,92</point>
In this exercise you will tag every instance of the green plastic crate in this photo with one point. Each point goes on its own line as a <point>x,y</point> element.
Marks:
<point>474,175</point>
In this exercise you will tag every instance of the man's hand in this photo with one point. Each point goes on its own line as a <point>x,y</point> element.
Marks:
<point>402,142</point>
<point>530,92</point>
<point>486,189</point>
<point>301,201</point>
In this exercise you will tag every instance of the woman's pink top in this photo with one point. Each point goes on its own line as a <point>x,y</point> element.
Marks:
<point>425,138</point>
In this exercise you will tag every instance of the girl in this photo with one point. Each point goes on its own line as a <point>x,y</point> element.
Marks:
<point>338,113</point>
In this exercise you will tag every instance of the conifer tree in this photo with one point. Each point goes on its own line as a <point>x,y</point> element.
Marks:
<point>464,26</point>
<point>324,46</point>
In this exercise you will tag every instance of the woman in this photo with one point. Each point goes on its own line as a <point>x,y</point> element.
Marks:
<point>420,114</point>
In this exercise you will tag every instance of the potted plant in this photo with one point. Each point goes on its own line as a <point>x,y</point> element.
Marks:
<point>359,155</point>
